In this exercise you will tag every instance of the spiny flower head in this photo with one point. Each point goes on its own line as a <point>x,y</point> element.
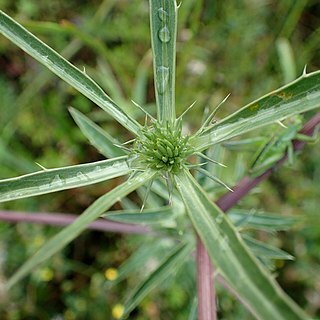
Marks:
<point>162,147</point>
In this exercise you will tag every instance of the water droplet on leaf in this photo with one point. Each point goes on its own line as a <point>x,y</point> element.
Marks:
<point>57,181</point>
<point>97,169</point>
<point>164,34</point>
<point>163,14</point>
<point>81,176</point>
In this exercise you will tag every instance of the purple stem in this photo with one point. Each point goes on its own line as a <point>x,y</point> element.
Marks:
<point>206,292</point>
<point>60,219</point>
<point>246,184</point>
<point>205,284</point>
<point>206,295</point>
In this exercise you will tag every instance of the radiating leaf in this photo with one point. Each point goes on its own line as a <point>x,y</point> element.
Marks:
<point>231,256</point>
<point>99,138</point>
<point>169,265</point>
<point>63,69</point>
<point>70,232</point>
<point>163,21</point>
<point>263,250</point>
<point>250,144</point>
<point>262,220</point>
<point>147,216</point>
<point>299,96</point>
<point>52,180</point>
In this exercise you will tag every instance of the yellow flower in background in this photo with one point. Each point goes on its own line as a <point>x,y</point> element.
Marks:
<point>117,311</point>
<point>111,274</point>
<point>46,274</point>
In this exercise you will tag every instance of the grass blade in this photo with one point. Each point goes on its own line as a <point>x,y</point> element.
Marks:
<point>63,69</point>
<point>99,138</point>
<point>52,180</point>
<point>167,267</point>
<point>231,256</point>
<point>163,22</point>
<point>262,220</point>
<point>286,60</point>
<point>73,230</point>
<point>298,96</point>
<point>151,250</point>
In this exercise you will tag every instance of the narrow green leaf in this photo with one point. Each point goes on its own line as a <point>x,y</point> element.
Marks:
<point>193,314</point>
<point>99,138</point>
<point>250,144</point>
<point>140,88</point>
<point>297,97</point>
<point>148,216</point>
<point>149,250</point>
<point>73,230</point>
<point>286,60</point>
<point>13,159</point>
<point>167,267</point>
<point>262,220</point>
<point>263,250</point>
<point>52,180</point>
<point>63,69</point>
<point>231,256</point>
<point>110,82</point>
<point>163,22</point>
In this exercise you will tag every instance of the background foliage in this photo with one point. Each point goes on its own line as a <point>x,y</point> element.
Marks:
<point>222,47</point>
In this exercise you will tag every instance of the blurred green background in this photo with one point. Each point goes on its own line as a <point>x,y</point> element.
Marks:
<point>223,47</point>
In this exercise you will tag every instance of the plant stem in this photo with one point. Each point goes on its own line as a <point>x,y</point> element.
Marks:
<point>205,283</point>
<point>206,292</point>
<point>60,219</point>
<point>247,183</point>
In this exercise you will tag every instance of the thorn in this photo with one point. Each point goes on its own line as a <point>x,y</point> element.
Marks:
<point>191,166</point>
<point>145,198</point>
<point>304,72</point>
<point>144,111</point>
<point>209,159</point>
<point>281,124</point>
<point>168,179</point>
<point>180,117</point>
<point>213,113</point>
<point>129,141</point>
<point>220,104</point>
<point>41,166</point>
<point>214,178</point>
<point>122,147</point>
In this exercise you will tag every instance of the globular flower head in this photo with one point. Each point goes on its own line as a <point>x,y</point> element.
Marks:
<point>162,147</point>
